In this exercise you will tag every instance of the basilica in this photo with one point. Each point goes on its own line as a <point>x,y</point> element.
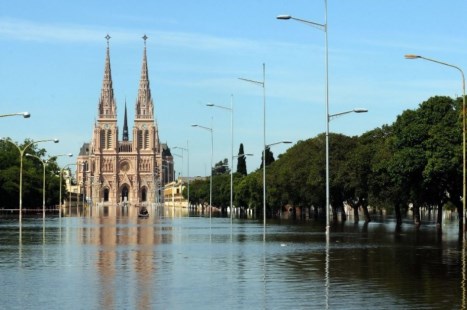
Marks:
<point>111,171</point>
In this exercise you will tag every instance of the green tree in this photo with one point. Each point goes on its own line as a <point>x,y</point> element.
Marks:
<point>32,176</point>
<point>426,162</point>
<point>222,167</point>
<point>269,157</point>
<point>241,161</point>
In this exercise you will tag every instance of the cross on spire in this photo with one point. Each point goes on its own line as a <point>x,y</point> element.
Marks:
<point>107,37</point>
<point>145,37</point>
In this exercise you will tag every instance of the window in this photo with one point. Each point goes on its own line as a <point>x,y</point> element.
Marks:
<point>146,139</point>
<point>109,139</point>
<point>102,139</point>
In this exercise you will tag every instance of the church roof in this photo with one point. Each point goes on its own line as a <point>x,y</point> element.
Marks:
<point>84,150</point>
<point>165,150</point>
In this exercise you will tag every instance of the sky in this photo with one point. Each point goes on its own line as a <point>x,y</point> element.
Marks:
<point>52,64</point>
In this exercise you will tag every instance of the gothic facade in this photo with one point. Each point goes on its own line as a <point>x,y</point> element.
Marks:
<point>111,171</point>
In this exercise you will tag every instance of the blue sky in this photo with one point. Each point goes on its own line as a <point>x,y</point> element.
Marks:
<point>53,52</point>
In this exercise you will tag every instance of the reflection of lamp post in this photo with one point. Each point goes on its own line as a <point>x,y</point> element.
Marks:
<point>23,114</point>
<point>263,85</point>
<point>21,153</point>
<point>323,27</point>
<point>464,194</point>
<point>61,175</point>
<point>212,150</point>
<point>231,147</point>
<point>188,168</point>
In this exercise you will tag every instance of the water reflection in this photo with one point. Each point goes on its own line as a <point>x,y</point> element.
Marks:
<point>176,259</point>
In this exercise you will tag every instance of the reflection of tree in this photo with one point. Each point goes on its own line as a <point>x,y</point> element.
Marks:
<point>416,268</point>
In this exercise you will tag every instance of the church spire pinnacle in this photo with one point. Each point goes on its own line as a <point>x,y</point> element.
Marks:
<point>125,126</point>
<point>144,103</point>
<point>107,107</point>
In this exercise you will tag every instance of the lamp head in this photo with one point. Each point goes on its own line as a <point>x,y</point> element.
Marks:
<point>56,140</point>
<point>194,125</point>
<point>70,154</point>
<point>284,17</point>
<point>360,110</point>
<point>412,56</point>
<point>26,115</point>
<point>210,104</point>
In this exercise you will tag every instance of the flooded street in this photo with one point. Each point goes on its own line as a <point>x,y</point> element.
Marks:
<point>175,261</point>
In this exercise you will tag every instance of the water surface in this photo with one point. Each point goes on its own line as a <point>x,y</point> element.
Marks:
<point>175,261</point>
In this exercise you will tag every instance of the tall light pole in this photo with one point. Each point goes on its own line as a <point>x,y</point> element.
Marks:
<point>263,85</point>
<point>231,109</point>
<point>212,151</point>
<point>411,56</point>
<point>188,168</point>
<point>21,154</point>
<point>176,181</point>
<point>323,27</point>
<point>44,164</point>
<point>60,195</point>
<point>23,114</point>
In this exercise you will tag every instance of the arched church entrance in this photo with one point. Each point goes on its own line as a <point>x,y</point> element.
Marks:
<point>143,194</point>
<point>125,193</point>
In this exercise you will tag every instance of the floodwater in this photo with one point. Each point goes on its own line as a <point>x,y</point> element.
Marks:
<point>173,260</point>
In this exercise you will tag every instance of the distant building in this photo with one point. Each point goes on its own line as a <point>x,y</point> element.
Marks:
<point>112,171</point>
<point>173,191</point>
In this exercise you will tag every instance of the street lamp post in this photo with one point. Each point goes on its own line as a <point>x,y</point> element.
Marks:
<point>176,180</point>
<point>23,114</point>
<point>44,164</point>
<point>263,85</point>
<point>60,196</point>
<point>21,154</point>
<point>231,109</point>
<point>188,168</point>
<point>212,151</point>
<point>411,56</point>
<point>323,27</point>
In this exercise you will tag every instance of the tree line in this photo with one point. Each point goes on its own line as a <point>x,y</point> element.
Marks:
<point>416,161</point>
<point>32,176</point>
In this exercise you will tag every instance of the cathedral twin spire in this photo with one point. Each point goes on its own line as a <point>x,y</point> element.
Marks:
<point>144,102</point>
<point>107,107</point>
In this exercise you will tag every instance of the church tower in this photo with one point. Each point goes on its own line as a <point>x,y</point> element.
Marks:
<point>127,172</point>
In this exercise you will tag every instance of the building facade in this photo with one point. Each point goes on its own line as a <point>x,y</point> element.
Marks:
<point>112,171</point>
